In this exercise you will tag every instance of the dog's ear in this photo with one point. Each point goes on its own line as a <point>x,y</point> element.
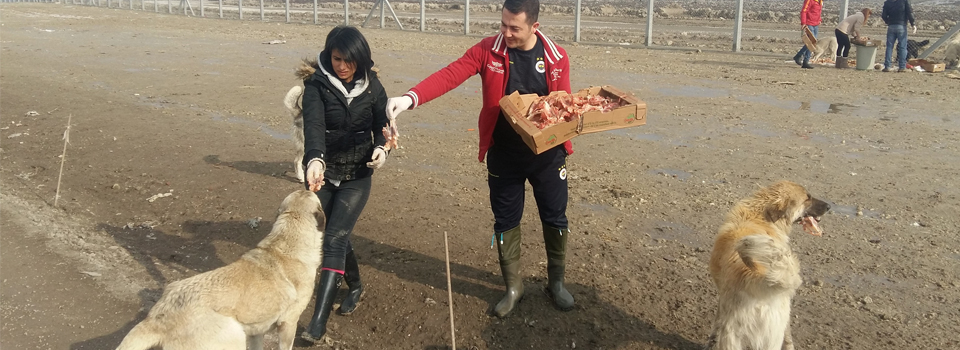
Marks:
<point>778,209</point>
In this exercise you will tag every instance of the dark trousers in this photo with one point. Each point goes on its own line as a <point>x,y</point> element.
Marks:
<point>507,176</point>
<point>342,205</point>
<point>843,43</point>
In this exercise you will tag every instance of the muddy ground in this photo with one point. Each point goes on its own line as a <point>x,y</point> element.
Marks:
<point>192,107</point>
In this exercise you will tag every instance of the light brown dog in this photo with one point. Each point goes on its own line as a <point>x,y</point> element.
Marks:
<point>233,306</point>
<point>755,270</point>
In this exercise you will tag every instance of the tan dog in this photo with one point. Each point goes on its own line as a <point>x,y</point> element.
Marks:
<point>755,270</point>
<point>825,46</point>
<point>233,306</point>
<point>292,102</point>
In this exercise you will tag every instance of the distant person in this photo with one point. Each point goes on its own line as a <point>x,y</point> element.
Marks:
<point>809,18</point>
<point>896,14</point>
<point>848,26</point>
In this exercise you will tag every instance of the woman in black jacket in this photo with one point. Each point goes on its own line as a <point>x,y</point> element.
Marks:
<point>344,113</point>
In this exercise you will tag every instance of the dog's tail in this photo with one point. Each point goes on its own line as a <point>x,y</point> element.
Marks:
<point>292,100</point>
<point>142,337</point>
<point>773,261</point>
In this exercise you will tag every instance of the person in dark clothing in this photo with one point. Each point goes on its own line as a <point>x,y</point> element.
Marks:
<point>344,113</point>
<point>896,14</point>
<point>520,58</point>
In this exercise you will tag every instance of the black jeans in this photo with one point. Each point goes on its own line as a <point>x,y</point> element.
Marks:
<point>507,175</point>
<point>342,205</point>
<point>843,43</point>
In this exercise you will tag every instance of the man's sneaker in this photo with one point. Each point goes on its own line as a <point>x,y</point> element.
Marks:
<point>886,70</point>
<point>806,66</point>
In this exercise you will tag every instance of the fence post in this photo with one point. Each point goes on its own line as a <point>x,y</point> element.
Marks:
<point>286,9</point>
<point>316,19</point>
<point>346,12</point>
<point>650,23</point>
<point>738,26</point>
<point>382,14</point>
<point>169,6</point>
<point>220,7</point>
<point>261,11</point>
<point>423,15</point>
<point>576,23</point>
<point>240,8</point>
<point>466,17</point>
<point>201,8</point>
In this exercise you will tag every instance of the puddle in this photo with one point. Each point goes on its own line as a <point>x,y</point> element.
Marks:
<point>851,211</point>
<point>256,125</point>
<point>678,174</point>
<point>692,91</point>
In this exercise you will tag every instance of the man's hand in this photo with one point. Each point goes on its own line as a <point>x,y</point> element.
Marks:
<point>379,157</point>
<point>395,105</point>
<point>315,174</point>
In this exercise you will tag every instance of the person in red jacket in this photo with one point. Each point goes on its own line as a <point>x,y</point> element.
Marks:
<point>520,58</point>
<point>809,18</point>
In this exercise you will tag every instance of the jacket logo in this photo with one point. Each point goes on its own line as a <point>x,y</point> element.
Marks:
<point>555,74</point>
<point>495,67</point>
<point>541,67</point>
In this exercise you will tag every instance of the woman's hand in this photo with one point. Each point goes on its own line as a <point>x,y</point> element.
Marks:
<point>315,174</point>
<point>379,157</point>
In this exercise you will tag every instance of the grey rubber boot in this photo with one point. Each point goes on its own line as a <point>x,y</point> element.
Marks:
<point>555,240</point>
<point>508,246</point>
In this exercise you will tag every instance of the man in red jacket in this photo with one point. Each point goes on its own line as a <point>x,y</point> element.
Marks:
<point>809,18</point>
<point>520,58</point>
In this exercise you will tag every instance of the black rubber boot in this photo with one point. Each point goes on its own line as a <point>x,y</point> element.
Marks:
<point>797,58</point>
<point>326,292</point>
<point>508,246</point>
<point>351,275</point>
<point>555,240</point>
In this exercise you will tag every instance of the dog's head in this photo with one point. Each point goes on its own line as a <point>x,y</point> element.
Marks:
<point>792,203</point>
<point>303,203</point>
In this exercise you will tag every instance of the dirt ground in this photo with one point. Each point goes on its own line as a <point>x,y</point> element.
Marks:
<point>192,107</point>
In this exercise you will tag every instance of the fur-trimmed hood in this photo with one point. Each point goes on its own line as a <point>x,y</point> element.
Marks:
<point>309,66</point>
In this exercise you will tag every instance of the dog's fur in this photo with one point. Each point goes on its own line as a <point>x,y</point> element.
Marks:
<point>952,56</point>
<point>826,46</point>
<point>755,270</point>
<point>294,104</point>
<point>232,307</point>
<point>913,47</point>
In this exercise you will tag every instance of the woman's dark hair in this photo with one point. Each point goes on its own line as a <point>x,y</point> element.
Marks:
<point>530,7</point>
<point>352,46</point>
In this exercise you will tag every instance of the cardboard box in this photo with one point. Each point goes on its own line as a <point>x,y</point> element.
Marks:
<point>515,107</point>
<point>928,66</point>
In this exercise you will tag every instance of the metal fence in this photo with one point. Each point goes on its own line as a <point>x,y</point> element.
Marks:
<point>566,24</point>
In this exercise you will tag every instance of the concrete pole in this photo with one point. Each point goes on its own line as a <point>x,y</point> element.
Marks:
<point>466,18</point>
<point>650,23</point>
<point>843,10</point>
<point>423,15</point>
<point>576,23</point>
<point>738,27</point>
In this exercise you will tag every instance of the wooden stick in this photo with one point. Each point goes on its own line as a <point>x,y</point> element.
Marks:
<point>453,333</point>
<point>63,157</point>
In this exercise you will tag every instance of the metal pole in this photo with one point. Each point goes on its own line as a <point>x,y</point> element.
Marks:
<point>220,7</point>
<point>346,12</point>
<point>394,14</point>
<point>240,7</point>
<point>738,26</point>
<point>423,15</point>
<point>315,18</point>
<point>466,17</point>
<point>844,10</point>
<point>576,23</point>
<point>650,23</point>
<point>382,14</point>
<point>155,6</point>
<point>169,6</point>
<point>261,11</point>
<point>287,10</point>
<point>950,33</point>
<point>201,8</point>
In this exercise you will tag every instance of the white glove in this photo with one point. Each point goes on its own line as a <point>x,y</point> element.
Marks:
<point>395,105</point>
<point>315,173</point>
<point>379,157</point>
<point>914,29</point>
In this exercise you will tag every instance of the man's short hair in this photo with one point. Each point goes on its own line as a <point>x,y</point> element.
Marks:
<point>530,7</point>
